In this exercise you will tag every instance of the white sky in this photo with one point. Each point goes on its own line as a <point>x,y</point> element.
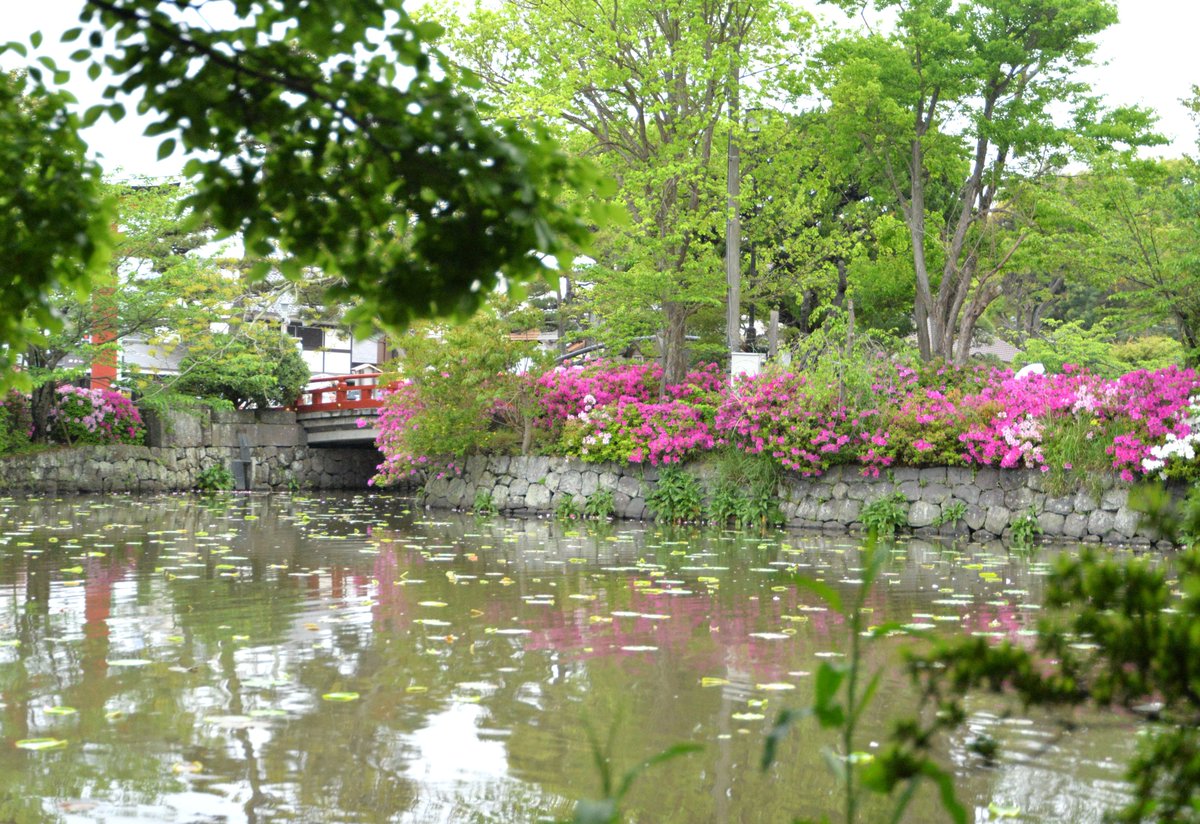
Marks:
<point>1150,58</point>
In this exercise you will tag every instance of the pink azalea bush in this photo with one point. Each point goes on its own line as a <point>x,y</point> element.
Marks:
<point>95,417</point>
<point>1069,422</point>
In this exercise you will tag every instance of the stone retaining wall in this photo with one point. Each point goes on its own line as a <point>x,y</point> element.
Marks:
<point>182,445</point>
<point>990,499</point>
<point>167,469</point>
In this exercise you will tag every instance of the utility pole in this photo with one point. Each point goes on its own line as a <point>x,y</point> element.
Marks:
<point>733,225</point>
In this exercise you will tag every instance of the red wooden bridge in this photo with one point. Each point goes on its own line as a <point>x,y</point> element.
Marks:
<point>329,409</point>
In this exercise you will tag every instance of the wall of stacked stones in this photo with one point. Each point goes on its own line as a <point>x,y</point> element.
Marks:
<point>182,445</point>
<point>990,499</point>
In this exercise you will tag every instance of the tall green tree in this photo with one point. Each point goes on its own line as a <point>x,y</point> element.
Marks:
<point>941,110</point>
<point>331,130</point>
<point>54,234</point>
<point>156,287</point>
<point>653,91</point>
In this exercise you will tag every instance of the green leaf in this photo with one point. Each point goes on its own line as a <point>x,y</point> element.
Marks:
<point>340,696</point>
<point>37,744</point>
<point>945,785</point>
<point>35,39</point>
<point>71,35</point>
<point>783,723</point>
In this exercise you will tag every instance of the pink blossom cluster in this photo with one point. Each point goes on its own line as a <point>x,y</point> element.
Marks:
<point>401,405</point>
<point>566,391</point>
<point>654,433</point>
<point>1144,408</point>
<point>94,416</point>
<point>925,416</point>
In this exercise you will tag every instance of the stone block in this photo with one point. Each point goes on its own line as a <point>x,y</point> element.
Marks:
<point>175,428</point>
<point>923,514</point>
<point>960,476</point>
<point>997,520</point>
<point>1100,522</point>
<point>630,486</point>
<point>1051,523</point>
<point>571,482</point>
<point>1126,522</point>
<point>538,498</point>
<point>848,511</point>
<point>589,482</point>
<point>1060,506</point>
<point>1115,498</point>
<point>1085,502</point>
<point>991,497</point>
<point>935,493</point>
<point>911,490</point>
<point>932,475</point>
<point>966,493</point>
<point>278,417</point>
<point>859,492</point>
<point>1075,525</point>
<point>1019,499</point>
<point>987,477</point>
<point>974,517</point>
<point>838,490</point>
<point>807,509</point>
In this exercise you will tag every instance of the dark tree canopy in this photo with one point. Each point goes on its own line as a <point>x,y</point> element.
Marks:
<point>328,134</point>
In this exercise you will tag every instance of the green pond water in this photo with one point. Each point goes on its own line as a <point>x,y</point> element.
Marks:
<point>182,660</point>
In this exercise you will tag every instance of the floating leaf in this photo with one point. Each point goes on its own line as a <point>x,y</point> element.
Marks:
<point>747,716</point>
<point>61,711</point>
<point>340,696</point>
<point>712,681</point>
<point>38,744</point>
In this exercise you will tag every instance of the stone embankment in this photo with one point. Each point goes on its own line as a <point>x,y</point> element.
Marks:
<point>981,503</point>
<point>269,445</point>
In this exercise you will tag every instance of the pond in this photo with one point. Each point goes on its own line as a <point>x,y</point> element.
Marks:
<point>342,659</point>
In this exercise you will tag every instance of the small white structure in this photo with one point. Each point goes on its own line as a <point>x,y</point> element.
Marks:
<point>745,363</point>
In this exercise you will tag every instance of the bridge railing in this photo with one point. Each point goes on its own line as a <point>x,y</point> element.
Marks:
<point>341,392</point>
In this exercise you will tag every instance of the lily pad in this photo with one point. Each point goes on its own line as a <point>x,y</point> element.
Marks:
<point>37,744</point>
<point>340,696</point>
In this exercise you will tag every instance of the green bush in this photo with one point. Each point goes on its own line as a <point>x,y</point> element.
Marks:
<point>567,508</point>
<point>746,491</point>
<point>15,423</point>
<point>483,504</point>
<point>258,367</point>
<point>677,497</point>
<point>884,515</point>
<point>599,505</point>
<point>215,478</point>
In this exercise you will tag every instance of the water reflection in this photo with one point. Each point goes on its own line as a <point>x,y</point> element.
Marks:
<point>182,649</point>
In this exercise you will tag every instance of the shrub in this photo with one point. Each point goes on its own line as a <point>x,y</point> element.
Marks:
<point>16,422</point>
<point>483,504</point>
<point>676,497</point>
<point>259,367</point>
<point>884,515</point>
<point>600,505</point>
<point>94,417</point>
<point>215,478</point>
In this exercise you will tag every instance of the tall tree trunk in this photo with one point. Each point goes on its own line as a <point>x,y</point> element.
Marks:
<point>675,343</point>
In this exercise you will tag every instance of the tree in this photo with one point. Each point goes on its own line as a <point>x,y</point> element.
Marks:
<point>943,113</point>
<point>259,366</point>
<point>152,283</point>
<point>330,130</point>
<point>54,236</point>
<point>653,92</point>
